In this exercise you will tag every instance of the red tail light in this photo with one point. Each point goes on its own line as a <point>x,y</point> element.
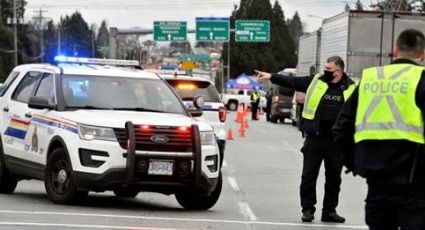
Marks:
<point>222,113</point>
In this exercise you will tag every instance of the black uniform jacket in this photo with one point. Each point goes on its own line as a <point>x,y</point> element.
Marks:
<point>301,84</point>
<point>391,160</point>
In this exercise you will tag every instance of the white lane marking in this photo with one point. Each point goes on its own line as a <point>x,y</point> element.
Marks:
<point>225,163</point>
<point>183,219</point>
<point>233,183</point>
<point>80,226</point>
<point>246,211</point>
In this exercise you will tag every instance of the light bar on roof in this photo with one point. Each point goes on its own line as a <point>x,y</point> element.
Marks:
<point>170,72</point>
<point>96,61</point>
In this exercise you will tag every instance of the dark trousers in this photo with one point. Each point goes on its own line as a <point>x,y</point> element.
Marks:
<point>315,150</point>
<point>254,108</point>
<point>390,206</point>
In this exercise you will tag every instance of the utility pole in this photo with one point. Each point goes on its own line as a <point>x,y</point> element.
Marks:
<point>59,49</point>
<point>40,20</point>
<point>15,32</point>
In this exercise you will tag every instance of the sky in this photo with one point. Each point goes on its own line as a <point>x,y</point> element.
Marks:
<point>141,13</point>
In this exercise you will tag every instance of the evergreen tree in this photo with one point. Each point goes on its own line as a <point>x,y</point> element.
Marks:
<point>347,7</point>
<point>359,5</point>
<point>76,36</point>
<point>296,28</point>
<point>102,40</point>
<point>395,5</point>
<point>50,42</point>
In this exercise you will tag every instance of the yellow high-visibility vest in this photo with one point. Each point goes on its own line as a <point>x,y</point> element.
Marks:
<point>315,92</point>
<point>387,107</point>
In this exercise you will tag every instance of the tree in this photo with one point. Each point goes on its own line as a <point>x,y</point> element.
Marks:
<point>102,39</point>
<point>50,42</point>
<point>76,36</point>
<point>295,28</point>
<point>6,10</point>
<point>359,5</point>
<point>395,5</point>
<point>347,7</point>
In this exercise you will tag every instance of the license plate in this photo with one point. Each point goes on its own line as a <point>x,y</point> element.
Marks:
<point>157,167</point>
<point>286,110</point>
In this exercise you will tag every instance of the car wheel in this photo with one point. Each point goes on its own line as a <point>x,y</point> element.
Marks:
<point>294,123</point>
<point>126,193</point>
<point>59,184</point>
<point>195,201</point>
<point>8,182</point>
<point>233,106</point>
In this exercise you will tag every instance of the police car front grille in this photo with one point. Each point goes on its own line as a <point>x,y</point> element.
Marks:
<point>178,141</point>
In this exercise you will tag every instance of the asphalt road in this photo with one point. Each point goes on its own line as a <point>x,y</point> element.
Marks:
<point>261,185</point>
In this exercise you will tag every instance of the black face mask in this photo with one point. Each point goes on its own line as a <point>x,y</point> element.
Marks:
<point>328,76</point>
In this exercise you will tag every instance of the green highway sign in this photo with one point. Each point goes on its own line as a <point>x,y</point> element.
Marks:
<point>212,29</point>
<point>252,31</point>
<point>169,31</point>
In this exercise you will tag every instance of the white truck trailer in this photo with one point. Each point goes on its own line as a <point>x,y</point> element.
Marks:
<point>365,38</point>
<point>309,53</point>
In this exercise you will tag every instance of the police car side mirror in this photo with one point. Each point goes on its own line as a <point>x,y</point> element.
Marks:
<point>39,103</point>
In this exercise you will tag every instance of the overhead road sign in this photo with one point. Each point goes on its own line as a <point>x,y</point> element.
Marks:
<point>252,31</point>
<point>212,29</point>
<point>169,31</point>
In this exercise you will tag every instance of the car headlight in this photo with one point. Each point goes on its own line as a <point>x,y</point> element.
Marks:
<point>207,138</point>
<point>88,133</point>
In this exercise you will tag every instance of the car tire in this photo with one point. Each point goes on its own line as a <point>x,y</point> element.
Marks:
<point>126,193</point>
<point>59,184</point>
<point>233,105</point>
<point>193,201</point>
<point>8,182</point>
<point>294,123</point>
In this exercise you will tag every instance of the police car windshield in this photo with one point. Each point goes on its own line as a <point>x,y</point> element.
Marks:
<point>119,93</point>
<point>188,90</point>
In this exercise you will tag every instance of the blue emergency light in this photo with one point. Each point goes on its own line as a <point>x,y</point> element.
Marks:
<point>95,61</point>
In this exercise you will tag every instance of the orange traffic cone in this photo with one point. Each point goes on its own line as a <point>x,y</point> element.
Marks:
<point>245,122</point>
<point>242,130</point>
<point>229,134</point>
<point>239,114</point>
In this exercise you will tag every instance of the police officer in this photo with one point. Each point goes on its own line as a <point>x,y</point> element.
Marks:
<point>325,96</point>
<point>384,122</point>
<point>255,101</point>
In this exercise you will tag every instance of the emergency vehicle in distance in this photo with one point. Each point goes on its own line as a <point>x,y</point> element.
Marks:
<point>94,125</point>
<point>214,111</point>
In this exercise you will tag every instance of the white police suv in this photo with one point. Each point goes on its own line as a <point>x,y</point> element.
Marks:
<point>214,111</point>
<point>85,125</point>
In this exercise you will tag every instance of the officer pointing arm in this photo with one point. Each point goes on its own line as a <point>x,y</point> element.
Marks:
<point>325,95</point>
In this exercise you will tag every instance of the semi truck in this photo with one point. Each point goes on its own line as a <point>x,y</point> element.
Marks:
<point>362,38</point>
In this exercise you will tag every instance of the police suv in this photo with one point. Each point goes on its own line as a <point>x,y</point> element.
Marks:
<point>95,125</point>
<point>214,111</point>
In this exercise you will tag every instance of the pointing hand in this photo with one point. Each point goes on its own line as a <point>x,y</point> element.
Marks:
<point>262,76</point>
